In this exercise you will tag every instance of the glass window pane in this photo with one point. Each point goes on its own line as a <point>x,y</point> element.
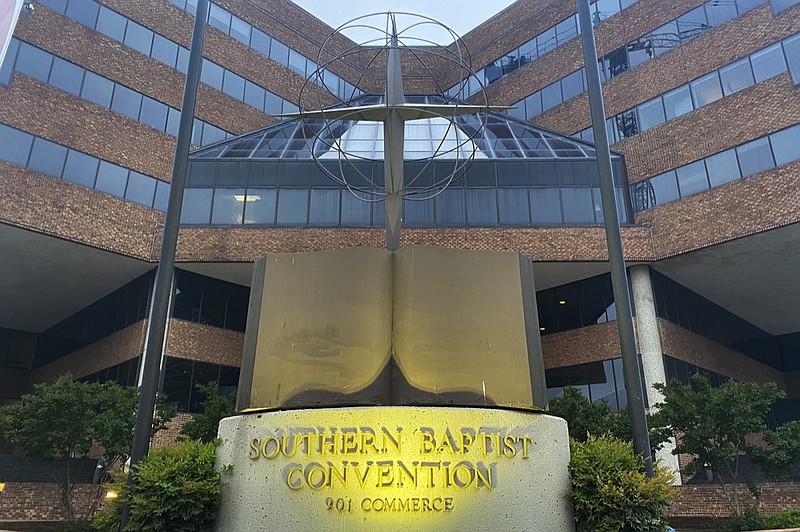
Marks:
<point>791,47</point>
<point>141,189</point>
<point>164,50</point>
<point>722,168</point>
<point>154,113</point>
<point>138,37</point>
<point>81,168</point>
<point>173,121</point>
<point>768,62</point>
<point>212,74</point>
<point>450,207</point>
<point>720,12</point>
<point>228,206</point>
<point>233,85</point>
<point>259,207</point>
<point>533,104</point>
<point>47,157</point>
<point>66,76</point>
<point>196,206</point>
<point>678,102</point>
<point>354,211</point>
<point>669,38</point>
<point>297,62</point>
<point>482,207</point>
<point>83,12</point>
<point>572,85</point>
<point>755,157</point>
<point>211,134</point>
<point>513,206</point>
<point>545,206</point>
<point>240,30</point>
<point>279,52</point>
<point>162,195</point>
<point>34,62</point>
<point>219,18</point>
<point>665,187</point>
<point>292,206</point>
<point>260,41</point>
<point>578,205</point>
<point>97,89</point>
<point>551,96</point>
<point>254,95</point>
<point>736,76</point>
<point>324,207</point>
<point>692,178</point>
<point>651,114</point>
<point>111,23</point>
<point>566,30</point>
<point>706,89</point>
<point>182,64</point>
<point>692,24</point>
<point>14,145</point>
<point>112,179</point>
<point>785,145</point>
<point>126,102</point>
<point>601,383</point>
<point>546,41</point>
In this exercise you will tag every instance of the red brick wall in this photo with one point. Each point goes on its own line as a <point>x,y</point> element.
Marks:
<point>205,343</point>
<point>169,435</point>
<point>34,501</point>
<point>705,501</point>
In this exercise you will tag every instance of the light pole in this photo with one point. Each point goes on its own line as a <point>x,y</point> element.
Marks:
<point>616,258</point>
<point>157,321</point>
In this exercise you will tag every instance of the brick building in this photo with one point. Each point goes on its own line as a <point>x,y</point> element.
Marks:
<point>702,100</point>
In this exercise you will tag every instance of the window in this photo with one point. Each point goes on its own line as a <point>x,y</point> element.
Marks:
<point>162,196</point>
<point>66,76</point>
<point>792,48</point>
<point>138,37</point>
<point>15,145</point>
<point>706,89</point>
<point>240,30</point>
<point>97,89</point>
<point>279,52</point>
<point>546,41</point>
<point>219,18</point>
<point>578,205</point>
<point>665,187</point>
<point>513,206</point>
<point>692,24</point>
<point>755,157</point>
<point>260,41</point>
<point>293,206</point>
<point>47,157</point>
<point>254,95</point>
<point>545,206</point>
<point>651,114</point>
<point>324,207</point>
<point>736,76</point>
<point>141,189</point>
<point>81,168</point>
<point>678,102</point>
<point>722,168</point>
<point>233,85</point>
<point>566,30</point>
<point>572,85</point>
<point>228,206</point>
<point>720,12</point>
<point>112,179</point>
<point>211,74</point>
<point>482,207</point>
<point>692,178</point>
<point>164,50</point>
<point>785,145</point>
<point>297,62</point>
<point>196,205</point>
<point>533,104</point>
<point>154,113</point>
<point>126,102</point>
<point>551,96</point>
<point>768,62</point>
<point>34,62</point>
<point>111,23</point>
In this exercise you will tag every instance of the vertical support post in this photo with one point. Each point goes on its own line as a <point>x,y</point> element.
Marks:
<point>157,321</point>
<point>616,259</point>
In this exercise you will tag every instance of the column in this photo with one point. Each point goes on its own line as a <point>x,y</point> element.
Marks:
<point>652,355</point>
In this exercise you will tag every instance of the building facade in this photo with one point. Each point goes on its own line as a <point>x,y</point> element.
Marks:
<point>702,100</point>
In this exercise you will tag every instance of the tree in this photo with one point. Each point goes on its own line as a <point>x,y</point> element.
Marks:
<point>717,426</point>
<point>587,418</point>
<point>62,420</point>
<point>203,427</point>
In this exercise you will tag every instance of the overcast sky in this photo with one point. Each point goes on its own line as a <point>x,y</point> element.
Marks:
<point>460,16</point>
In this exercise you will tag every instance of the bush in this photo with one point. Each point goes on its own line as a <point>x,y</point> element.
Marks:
<point>610,490</point>
<point>176,489</point>
<point>585,417</point>
<point>788,519</point>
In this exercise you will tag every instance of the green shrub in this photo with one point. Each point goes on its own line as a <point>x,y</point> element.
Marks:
<point>176,489</point>
<point>610,490</point>
<point>787,519</point>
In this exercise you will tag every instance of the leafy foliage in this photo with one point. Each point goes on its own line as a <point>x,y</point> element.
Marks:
<point>176,489</point>
<point>780,452</point>
<point>610,490</point>
<point>203,427</point>
<point>62,420</point>
<point>586,418</point>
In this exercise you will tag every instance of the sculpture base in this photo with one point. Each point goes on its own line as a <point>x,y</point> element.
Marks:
<point>394,468</point>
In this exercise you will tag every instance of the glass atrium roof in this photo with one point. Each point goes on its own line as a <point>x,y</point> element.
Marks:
<point>491,135</point>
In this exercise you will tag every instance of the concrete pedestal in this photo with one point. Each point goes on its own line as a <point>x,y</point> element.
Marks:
<point>394,468</point>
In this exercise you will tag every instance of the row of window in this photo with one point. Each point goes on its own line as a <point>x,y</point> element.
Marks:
<point>674,33</point>
<point>597,381</point>
<point>471,207</point>
<point>270,47</point>
<point>209,301</point>
<point>144,40</point>
<point>573,305</point>
<point>124,374</point>
<point>71,78</point>
<point>750,158</point>
<point>539,45</point>
<point>730,79</point>
<point>41,155</point>
<point>119,309</point>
